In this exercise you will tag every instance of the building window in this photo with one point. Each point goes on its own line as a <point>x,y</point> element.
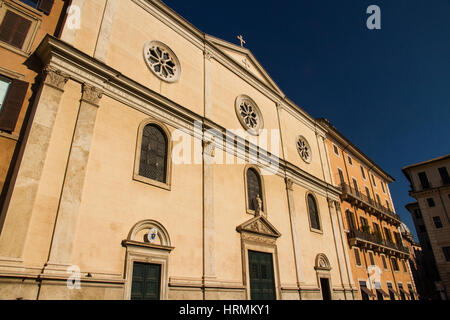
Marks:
<point>402,293</point>
<point>444,175</point>
<point>249,114</point>
<point>431,203</point>
<point>14,29</point>
<point>387,204</point>
<point>254,190</point>
<point>12,94</point>
<point>424,180</point>
<point>314,218</point>
<point>437,222</point>
<point>405,268</point>
<point>364,224</point>
<point>411,292</point>
<point>336,150</point>
<point>388,234</point>
<point>341,177</point>
<point>350,220</point>
<point>5,83</point>
<point>446,251</point>
<point>42,5</point>
<point>162,61</point>
<point>303,148</point>
<point>368,194</point>
<point>373,181</point>
<point>392,293</point>
<point>378,199</point>
<point>385,266</point>
<point>350,160</point>
<point>357,257</point>
<point>153,160</point>
<point>153,153</point>
<point>363,173</point>
<point>395,264</point>
<point>418,214</point>
<point>355,185</point>
<point>382,187</point>
<point>371,258</point>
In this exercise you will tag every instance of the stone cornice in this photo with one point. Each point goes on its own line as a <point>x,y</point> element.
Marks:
<point>82,68</point>
<point>206,43</point>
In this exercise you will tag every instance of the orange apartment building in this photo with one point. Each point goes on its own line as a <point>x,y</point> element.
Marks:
<point>23,24</point>
<point>378,253</point>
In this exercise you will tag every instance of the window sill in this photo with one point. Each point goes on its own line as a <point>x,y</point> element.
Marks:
<point>152,182</point>
<point>315,230</point>
<point>12,136</point>
<point>14,49</point>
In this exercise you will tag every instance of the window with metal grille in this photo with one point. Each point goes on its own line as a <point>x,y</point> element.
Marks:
<point>153,161</point>
<point>313,212</point>
<point>254,189</point>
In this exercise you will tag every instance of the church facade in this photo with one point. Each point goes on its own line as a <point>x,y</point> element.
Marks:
<point>164,163</point>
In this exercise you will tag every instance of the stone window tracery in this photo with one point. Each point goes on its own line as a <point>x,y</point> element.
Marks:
<point>304,150</point>
<point>162,61</point>
<point>249,114</point>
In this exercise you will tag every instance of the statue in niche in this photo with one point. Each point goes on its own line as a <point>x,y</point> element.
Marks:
<point>258,207</point>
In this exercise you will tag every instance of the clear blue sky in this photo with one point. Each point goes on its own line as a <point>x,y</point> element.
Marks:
<point>387,90</point>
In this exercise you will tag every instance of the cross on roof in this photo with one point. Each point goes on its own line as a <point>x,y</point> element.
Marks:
<point>242,40</point>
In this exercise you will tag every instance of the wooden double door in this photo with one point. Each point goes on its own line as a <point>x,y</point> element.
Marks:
<point>262,279</point>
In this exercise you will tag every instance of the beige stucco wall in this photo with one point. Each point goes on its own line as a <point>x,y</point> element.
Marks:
<point>112,202</point>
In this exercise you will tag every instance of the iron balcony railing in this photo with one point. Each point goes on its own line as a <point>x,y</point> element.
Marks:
<point>346,189</point>
<point>376,239</point>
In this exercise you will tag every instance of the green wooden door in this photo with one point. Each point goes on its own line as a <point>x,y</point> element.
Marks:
<point>146,281</point>
<point>262,281</point>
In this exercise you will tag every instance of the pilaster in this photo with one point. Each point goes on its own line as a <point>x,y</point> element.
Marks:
<point>209,257</point>
<point>295,241</point>
<point>68,213</point>
<point>20,209</point>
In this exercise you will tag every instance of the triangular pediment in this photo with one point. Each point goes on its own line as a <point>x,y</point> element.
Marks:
<point>259,225</point>
<point>245,59</point>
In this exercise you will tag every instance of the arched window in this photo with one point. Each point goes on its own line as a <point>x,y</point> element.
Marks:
<point>313,212</point>
<point>254,188</point>
<point>153,158</point>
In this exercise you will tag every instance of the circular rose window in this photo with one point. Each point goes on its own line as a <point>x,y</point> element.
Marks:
<point>249,114</point>
<point>304,150</point>
<point>162,61</point>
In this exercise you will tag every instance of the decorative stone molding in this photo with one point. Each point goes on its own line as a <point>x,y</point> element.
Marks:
<point>55,78</point>
<point>322,262</point>
<point>207,54</point>
<point>209,148</point>
<point>289,184</point>
<point>260,226</point>
<point>91,94</point>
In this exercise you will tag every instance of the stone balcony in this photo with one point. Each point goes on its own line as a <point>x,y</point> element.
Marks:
<point>375,242</point>
<point>362,201</point>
